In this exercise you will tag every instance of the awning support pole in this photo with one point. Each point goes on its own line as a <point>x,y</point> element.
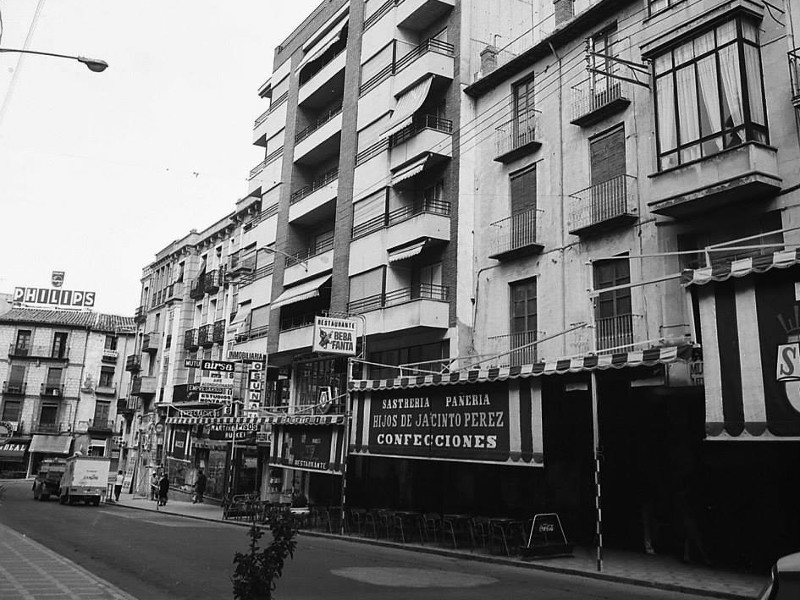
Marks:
<point>596,449</point>
<point>346,445</point>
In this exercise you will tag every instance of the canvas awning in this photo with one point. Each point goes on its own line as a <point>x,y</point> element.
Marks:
<point>407,105</point>
<point>410,170</point>
<point>51,444</point>
<point>407,251</point>
<point>619,360</point>
<point>740,268</point>
<point>303,291</point>
<point>241,322</point>
<point>269,420</point>
<point>330,38</point>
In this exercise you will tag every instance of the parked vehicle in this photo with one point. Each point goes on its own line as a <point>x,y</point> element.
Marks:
<point>784,582</point>
<point>85,478</point>
<point>48,478</point>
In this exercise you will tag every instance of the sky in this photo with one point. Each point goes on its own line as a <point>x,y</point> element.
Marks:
<point>100,171</point>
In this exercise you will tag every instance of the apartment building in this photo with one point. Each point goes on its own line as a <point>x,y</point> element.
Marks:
<point>64,385</point>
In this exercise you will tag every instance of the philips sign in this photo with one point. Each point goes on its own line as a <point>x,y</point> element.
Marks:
<point>54,297</point>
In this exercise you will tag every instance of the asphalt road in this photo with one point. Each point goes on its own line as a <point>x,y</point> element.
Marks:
<point>155,556</point>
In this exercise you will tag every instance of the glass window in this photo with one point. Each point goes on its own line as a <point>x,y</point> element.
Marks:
<point>524,110</point>
<point>111,342</point>
<point>106,377</point>
<point>11,410</point>
<point>59,349</point>
<point>709,94</point>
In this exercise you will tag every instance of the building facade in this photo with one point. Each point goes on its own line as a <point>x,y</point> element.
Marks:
<point>64,385</point>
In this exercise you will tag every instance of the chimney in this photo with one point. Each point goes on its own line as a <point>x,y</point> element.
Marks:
<point>488,60</point>
<point>564,10</point>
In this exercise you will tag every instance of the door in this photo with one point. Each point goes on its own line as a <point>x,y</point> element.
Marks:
<point>523,209</point>
<point>102,412</point>
<point>23,345</point>
<point>613,315</point>
<point>48,417</point>
<point>16,380</point>
<point>607,158</point>
<point>524,113</point>
<point>59,349</point>
<point>430,282</point>
<point>53,383</point>
<point>523,322</point>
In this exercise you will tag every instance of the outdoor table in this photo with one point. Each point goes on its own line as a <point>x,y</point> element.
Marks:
<point>455,524</point>
<point>503,529</point>
<point>405,519</point>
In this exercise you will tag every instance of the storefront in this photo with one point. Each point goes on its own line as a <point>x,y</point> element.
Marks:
<point>13,458</point>
<point>748,312</point>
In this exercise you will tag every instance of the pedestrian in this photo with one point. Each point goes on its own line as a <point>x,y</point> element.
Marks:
<point>163,489</point>
<point>154,478</point>
<point>118,485</point>
<point>199,487</point>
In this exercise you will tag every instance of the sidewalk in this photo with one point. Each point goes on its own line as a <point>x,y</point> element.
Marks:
<point>30,571</point>
<point>662,572</point>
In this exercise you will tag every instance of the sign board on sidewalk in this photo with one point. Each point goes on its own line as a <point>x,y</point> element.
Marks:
<point>334,336</point>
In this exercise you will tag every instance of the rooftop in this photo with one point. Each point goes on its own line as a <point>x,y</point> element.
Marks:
<point>84,320</point>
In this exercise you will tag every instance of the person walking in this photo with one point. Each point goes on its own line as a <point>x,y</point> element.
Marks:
<point>199,487</point>
<point>163,489</point>
<point>118,482</point>
<point>154,479</point>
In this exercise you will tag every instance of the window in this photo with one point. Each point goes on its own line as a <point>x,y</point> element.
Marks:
<point>524,112</point>
<point>366,290</point>
<point>53,384</point>
<point>59,349</point>
<point>102,410</point>
<point>709,94</point>
<point>659,5</point>
<point>613,310</point>
<point>607,159</point>
<point>522,187</point>
<point>23,345</point>
<point>106,377</point>
<point>430,283</point>
<point>369,214</point>
<point>602,43</point>
<point>16,379</point>
<point>11,410</point>
<point>524,321</point>
<point>425,357</point>
<point>111,342</point>
<point>48,415</point>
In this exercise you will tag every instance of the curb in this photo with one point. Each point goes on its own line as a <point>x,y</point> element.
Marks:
<point>481,558</point>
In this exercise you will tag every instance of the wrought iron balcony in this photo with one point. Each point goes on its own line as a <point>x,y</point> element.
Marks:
<point>592,102</point>
<point>317,183</point>
<point>603,206</point>
<point>615,333</point>
<point>515,236</point>
<point>52,390</point>
<point>133,363</point>
<point>14,388</point>
<point>191,340</point>
<point>51,428</point>
<point>304,255</point>
<point>514,348</point>
<point>518,137</point>
<point>218,335</point>
<point>101,425</point>
<point>198,288</point>
<point>205,335</point>
<point>213,281</point>
<point>424,291</point>
<point>106,390</point>
<point>429,45</point>
<point>126,406</point>
<point>319,122</point>
<point>38,352</point>
<point>420,123</point>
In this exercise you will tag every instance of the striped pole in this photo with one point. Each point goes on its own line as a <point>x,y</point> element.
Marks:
<point>597,455</point>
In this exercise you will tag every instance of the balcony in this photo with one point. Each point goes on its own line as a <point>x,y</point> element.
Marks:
<point>140,314</point>
<point>260,129</point>
<point>50,428</point>
<point>318,82</point>
<point>218,335</point>
<point>143,386</point>
<point>241,265</point>
<point>51,390</point>
<point>518,137</point>
<point>151,342</point>
<point>320,142</point>
<point>126,406</point>
<point>318,198</point>
<point>605,206</point>
<point>198,288</point>
<point>615,333</point>
<point>213,281</point>
<point>106,390</point>
<point>14,388</point>
<point>109,356</point>
<point>418,15</point>
<point>174,292</point>
<point>591,105</point>
<point>133,363</point>
<point>294,336</point>
<point>513,348</point>
<point>748,173</point>
<point>428,136</point>
<point>431,58</point>
<point>515,236</point>
<point>101,425</point>
<point>204,335</point>
<point>408,309</point>
<point>794,72</point>
<point>191,340</point>
<point>38,352</point>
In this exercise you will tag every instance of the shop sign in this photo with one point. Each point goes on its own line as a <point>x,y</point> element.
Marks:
<point>53,296</point>
<point>192,363</point>
<point>218,365</point>
<point>484,422</point>
<point>214,398</point>
<point>309,449</point>
<point>334,336</point>
<point>219,378</point>
<point>199,412</point>
<point>246,356</point>
<point>5,431</point>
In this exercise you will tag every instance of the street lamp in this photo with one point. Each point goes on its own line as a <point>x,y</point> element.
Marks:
<point>93,64</point>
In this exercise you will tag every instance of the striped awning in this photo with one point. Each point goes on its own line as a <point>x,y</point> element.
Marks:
<point>271,420</point>
<point>620,360</point>
<point>740,268</point>
<point>412,169</point>
<point>408,251</point>
<point>301,291</point>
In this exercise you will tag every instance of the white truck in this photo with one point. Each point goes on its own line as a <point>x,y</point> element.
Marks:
<point>85,478</point>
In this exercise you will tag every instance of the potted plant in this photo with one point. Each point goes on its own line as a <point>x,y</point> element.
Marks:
<point>258,570</point>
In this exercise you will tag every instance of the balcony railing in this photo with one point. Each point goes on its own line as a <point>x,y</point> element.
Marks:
<point>593,100</point>
<point>615,332</point>
<point>254,333</point>
<point>515,235</point>
<point>794,72</point>
<point>420,123</point>
<point>319,122</point>
<point>430,45</point>
<point>425,291</point>
<point>398,215</point>
<point>55,390</point>
<point>204,335</point>
<point>16,388</point>
<point>518,137</point>
<point>53,428</point>
<point>604,204</point>
<point>191,340</point>
<point>255,171</point>
<point>213,280</point>
<point>316,183</point>
<point>106,390</point>
<point>259,273</point>
<point>261,119</point>
<point>515,348</point>
<point>314,67</point>
<point>304,255</point>
<point>198,288</point>
<point>37,352</point>
<point>133,363</point>
<point>101,425</point>
<point>218,336</point>
<point>297,321</point>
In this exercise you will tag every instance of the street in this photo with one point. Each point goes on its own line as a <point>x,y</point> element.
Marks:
<point>155,556</point>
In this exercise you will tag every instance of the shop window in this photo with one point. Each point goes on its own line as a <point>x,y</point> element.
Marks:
<point>709,94</point>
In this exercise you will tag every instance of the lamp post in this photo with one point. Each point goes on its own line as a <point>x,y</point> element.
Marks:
<point>93,64</point>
